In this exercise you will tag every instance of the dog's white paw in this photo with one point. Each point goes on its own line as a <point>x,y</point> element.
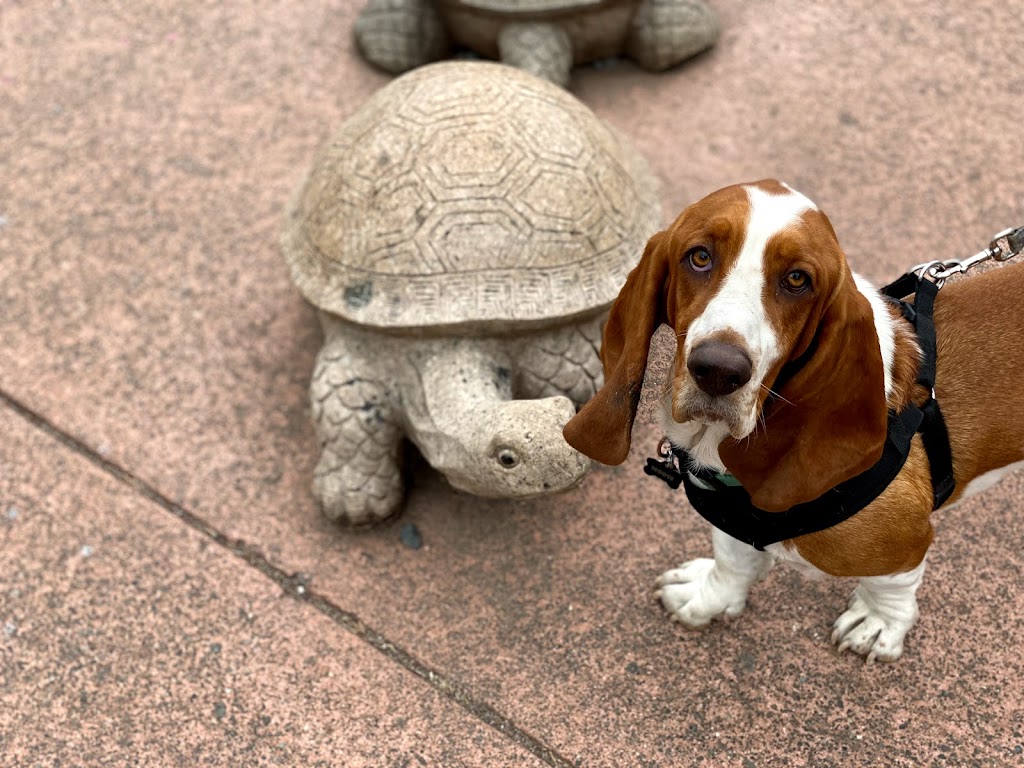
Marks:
<point>872,630</point>
<point>697,592</point>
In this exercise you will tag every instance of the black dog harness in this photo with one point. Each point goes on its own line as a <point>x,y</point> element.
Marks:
<point>723,502</point>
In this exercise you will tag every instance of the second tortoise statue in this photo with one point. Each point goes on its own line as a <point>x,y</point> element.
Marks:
<point>463,235</point>
<point>544,37</point>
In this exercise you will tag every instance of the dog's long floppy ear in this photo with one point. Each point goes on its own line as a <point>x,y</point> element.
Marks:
<point>830,422</point>
<point>601,429</point>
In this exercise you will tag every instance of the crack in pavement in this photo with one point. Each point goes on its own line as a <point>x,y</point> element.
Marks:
<point>295,586</point>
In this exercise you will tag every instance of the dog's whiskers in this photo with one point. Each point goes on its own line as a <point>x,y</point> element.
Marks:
<point>666,395</point>
<point>775,394</point>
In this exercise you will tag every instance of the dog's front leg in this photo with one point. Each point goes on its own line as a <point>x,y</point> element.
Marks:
<point>701,590</point>
<point>881,612</point>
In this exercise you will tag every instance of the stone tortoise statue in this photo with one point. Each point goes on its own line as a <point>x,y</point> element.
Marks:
<point>463,235</point>
<point>545,37</point>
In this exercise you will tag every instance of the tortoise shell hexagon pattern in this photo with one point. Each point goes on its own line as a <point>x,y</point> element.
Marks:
<point>469,194</point>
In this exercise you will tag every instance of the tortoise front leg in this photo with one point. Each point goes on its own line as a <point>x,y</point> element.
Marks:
<point>358,478</point>
<point>666,32</point>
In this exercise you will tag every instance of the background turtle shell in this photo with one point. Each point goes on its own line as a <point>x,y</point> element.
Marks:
<point>469,194</point>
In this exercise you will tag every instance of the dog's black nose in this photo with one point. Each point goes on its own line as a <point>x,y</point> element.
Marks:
<point>719,368</point>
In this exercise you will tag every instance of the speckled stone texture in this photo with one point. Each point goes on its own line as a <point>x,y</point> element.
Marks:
<point>146,150</point>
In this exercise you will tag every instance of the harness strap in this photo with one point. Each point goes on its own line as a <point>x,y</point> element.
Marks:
<point>934,434</point>
<point>935,438</point>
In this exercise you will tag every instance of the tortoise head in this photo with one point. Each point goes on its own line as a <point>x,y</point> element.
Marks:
<point>515,449</point>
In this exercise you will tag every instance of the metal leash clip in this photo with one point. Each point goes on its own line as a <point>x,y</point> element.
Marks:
<point>939,271</point>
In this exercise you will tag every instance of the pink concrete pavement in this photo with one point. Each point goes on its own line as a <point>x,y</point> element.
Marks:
<point>129,638</point>
<point>146,151</point>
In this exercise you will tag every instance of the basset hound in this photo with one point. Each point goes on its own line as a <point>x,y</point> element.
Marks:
<point>752,279</point>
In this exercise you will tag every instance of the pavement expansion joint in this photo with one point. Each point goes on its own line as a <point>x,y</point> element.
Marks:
<point>295,586</point>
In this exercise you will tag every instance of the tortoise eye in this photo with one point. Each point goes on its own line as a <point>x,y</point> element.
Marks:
<point>508,458</point>
<point>796,281</point>
<point>700,259</point>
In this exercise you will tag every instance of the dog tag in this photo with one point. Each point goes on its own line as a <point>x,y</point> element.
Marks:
<point>665,470</point>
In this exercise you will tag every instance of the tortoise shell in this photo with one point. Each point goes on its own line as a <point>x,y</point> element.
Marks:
<point>469,194</point>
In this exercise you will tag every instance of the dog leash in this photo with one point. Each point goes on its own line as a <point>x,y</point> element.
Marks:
<point>720,499</point>
<point>939,271</point>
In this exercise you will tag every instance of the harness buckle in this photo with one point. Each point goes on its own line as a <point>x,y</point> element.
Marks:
<point>938,271</point>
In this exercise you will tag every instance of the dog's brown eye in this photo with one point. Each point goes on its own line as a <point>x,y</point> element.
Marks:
<point>796,281</point>
<point>700,259</point>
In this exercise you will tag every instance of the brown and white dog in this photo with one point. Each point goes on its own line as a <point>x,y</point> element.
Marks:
<point>749,278</point>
